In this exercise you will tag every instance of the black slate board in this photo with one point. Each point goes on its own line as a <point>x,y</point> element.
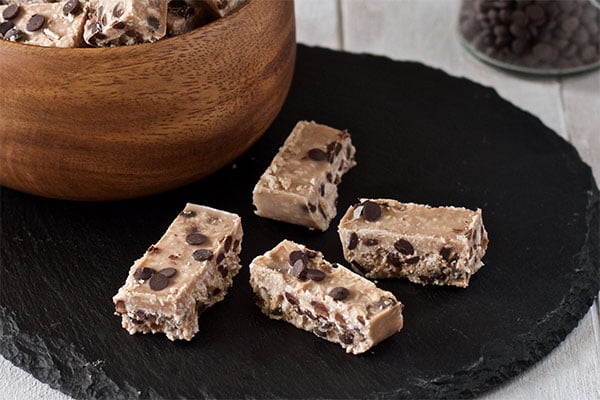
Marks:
<point>421,136</point>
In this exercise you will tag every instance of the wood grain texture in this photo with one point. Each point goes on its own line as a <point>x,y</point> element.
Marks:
<point>113,123</point>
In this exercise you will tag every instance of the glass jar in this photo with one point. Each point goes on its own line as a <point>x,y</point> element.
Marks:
<point>533,36</point>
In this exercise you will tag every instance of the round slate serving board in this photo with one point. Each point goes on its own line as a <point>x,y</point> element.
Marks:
<point>421,136</point>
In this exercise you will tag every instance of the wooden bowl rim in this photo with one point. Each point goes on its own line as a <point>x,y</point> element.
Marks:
<point>215,25</point>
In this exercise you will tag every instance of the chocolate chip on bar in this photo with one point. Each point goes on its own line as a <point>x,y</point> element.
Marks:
<point>125,22</point>
<point>300,185</point>
<point>428,245</point>
<point>221,8</point>
<point>188,270</point>
<point>182,16</point>
<point>44,24</point>
<point>331,301</point>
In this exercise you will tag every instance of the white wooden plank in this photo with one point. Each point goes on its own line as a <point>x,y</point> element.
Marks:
<point>317,23</point>
<point>426,31</point>
<point>16,384</point>
<point>581,102</point>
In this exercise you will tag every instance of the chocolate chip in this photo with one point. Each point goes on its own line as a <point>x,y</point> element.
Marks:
<point>317,155</point>
<point>395,261</point>
<point>36,22</point>
<point>360,319</point>
<point>158,282</point>
<point>220,258</point>
<point>143,273</point>
<point>227,245</point>
<point>346,337</point>
<point>14,35</point>
<point>337,148</point>
<point>140,315</point>
<point>329,177</point>
<point>277,311</point>
<point>298,255</point>
<point>381,304</point>
<point>216,291</point>
<point>291,299</point>
<point>202,255</point>
<point>119,25</point>
<point>370,241</point>
<point>196,239</point>
<point>308,314</point>
<point>315,274</point>
<point>339,319</point>
<point>412,260</point>
<point>153,22</point>
<point>222,4</point>
<point>310,254</point>
<point>117,12</point>
<point>299,269</point>
<point>168,272</point>
<point>177,4</point>
<point>5,27</point>
<point>223,271</point>
<point>445,252</point>
<point>371,211</point>
<point>322,189</point>
<point>353,241</point>
<point>236,245</point>
<point>11,11</point>
<point>320,309</point>
<point>339,293</point>
<point>404,247</point>
<point>319,332</point>
<point>71,7</point>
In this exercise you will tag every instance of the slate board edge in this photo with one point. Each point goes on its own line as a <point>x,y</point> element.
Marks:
<point>34,354</point>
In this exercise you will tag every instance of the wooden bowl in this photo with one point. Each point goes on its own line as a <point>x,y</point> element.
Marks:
<point>124,122</point>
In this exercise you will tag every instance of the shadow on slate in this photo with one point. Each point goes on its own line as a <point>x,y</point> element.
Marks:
<point>421,136</point>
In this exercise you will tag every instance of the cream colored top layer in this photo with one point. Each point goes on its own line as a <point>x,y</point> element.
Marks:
<point>292,170</point>
<point>174,250</point>
<point>410,218</point>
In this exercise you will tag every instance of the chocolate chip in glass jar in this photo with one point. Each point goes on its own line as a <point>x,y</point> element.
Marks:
<point>534,36</point>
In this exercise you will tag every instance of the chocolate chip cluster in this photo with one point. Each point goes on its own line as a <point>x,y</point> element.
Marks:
<point>547,36</point>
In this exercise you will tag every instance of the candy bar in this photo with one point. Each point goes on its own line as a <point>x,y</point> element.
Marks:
<point>125,22</point>
<point>300,185</point>
<point>384,238</point>
<point>298,285</point>
<point>189,269</point>
<point>44,24</point>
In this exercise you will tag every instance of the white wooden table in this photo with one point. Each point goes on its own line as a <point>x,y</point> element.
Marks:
<point>424,30</point>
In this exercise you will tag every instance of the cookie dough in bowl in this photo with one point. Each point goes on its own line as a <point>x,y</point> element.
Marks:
<point>129,121</point>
